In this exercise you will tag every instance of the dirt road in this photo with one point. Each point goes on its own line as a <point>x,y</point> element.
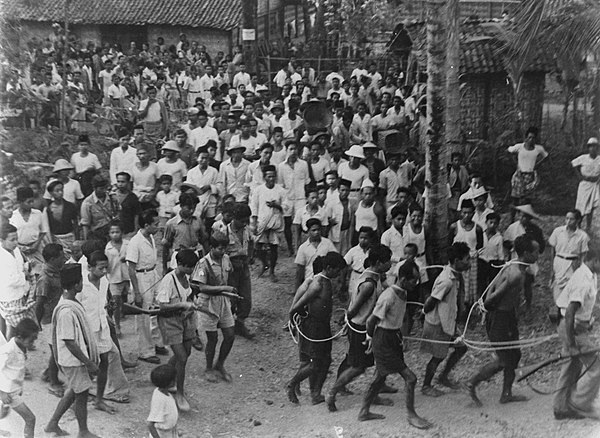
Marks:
<point>254,405</point>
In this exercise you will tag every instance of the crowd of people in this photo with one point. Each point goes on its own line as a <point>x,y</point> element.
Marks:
<point>169,228</point>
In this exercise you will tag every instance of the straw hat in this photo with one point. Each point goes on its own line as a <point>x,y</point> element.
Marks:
<point>234,146</point>
<point>62,164</point>
<point>370,145</point>
<point>593,140</point>
<point>528,210</point>
<point>355,151</point>
<point>171,145</point>
<point>193,111</point>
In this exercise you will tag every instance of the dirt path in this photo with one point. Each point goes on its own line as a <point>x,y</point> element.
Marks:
<point>255,404</point>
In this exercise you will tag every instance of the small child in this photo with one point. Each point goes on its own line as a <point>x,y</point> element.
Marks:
<point>312,210</point>
<point>220,226</point>
<point>118,271</point>
<point>228,199</point>
<point>166,199</point>
<point>12,372</point>
<point>412,291</point>
<point>162,420</point>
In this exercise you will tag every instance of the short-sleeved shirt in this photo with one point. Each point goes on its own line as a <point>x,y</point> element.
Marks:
<point>390,309</point>
<point>129,207</point>
<point>68,328</point>
<point>166,202</point>
<point>391,180</point>
<point>307,253</point>
<point>568,244</point>
<point>445,289</point>
<point>493,247</point>
<point>142,251</point>
<point>171,291</point>
<point>183,233</point>
<point>163,413</point>
<point>302,216</point>
<point>48,285</point>
<point>527,159</point>
<point>178,170</point>
<point>12,367</point>
<point>71,191</point>
<point>93,301</point>
<point>238,241</point>
<point>581,288</point>
<point>293,179</point>
<point>355,176</point>
<point>590,167</point>
<point>81,164</point>
<point>29,230</point>
<point>355,258</point>
<point>144,180</point>
<point>97,213</point>
<point>394,239</point>
<point>117,270</point>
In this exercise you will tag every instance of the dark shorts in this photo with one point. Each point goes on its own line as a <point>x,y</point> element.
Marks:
<point>178,329</point>
<point>502,326</point>
<point>388,351</point>
<point>314,351</point>
<point>357,356</point>
<point>435,333</point>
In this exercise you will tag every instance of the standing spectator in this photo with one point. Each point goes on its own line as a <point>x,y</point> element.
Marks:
<point>206,178</point>
<point>232,174</point>
<point>525,179</point>
<point>127,204</point>
<point>153,115</point>
<point>241,77</point>
<point>123,157</point>
<point>142,259</point>
<point>86,164</point>
<point>31,229</point>
<point>117,273</point>
<point>71,187</point>
<point>171,164</point>
<point>144,177</point>
<point>588,192</point>
<point>61,217</point>
<point>97,211</point>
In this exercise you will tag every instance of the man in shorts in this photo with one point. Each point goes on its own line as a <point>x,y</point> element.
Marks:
<point>210,277</point>
<point>75,350</point>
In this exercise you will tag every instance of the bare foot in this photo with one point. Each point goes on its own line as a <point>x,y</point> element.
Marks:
<point>471,389</point>
<point>101,406</point>
<point>211,376</point>
<point>345,391</point>
<point>387,389</point>
<point>224,374</point>
<point>418,422</point>
<point>273,278</point>
<point>317,399</point>
<point>55,429</point>
<point>330,400</point>
<point>509,398</point>
<point>291,393</point>
<point>380,401</point>
<point>430,391</point>
<point>297,390</point>
<point>87,434</point>
<point>366,416</point>
<point>182,404</point>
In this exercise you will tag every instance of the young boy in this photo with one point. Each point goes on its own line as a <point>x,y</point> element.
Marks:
<point>86,164</point>
<point>315,246</point>
<point>76,352</point>
<point>38,201</point>
<point>383,329</point>
<point>144,177</point>
<point>48,292</point>
<point>118,272</point>
<point>441,312</point>
<point>210,277</point>
<point>502,305</point>
<point>394,239</point>
<point>163,416</point>
<point>167,199</point>
<point>355,257</point>
<point>316,306</point>
<point>311,210</point>
<point>492,253</point>
<point>13,355</point>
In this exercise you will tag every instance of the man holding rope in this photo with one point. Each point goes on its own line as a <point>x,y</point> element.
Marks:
<point>579,379</point>
<point>502,302</point>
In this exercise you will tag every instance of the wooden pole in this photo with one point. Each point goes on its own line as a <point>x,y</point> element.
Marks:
<point>249,8</point>
<point>63,93</point>
<point>269,73</point>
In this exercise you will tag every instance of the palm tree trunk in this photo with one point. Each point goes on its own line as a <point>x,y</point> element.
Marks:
<point>436,157</point>
<point>453,131</point>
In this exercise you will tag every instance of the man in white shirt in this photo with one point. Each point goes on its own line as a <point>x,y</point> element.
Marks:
<point>123,157</point>
<point>200,135</point>
<point>241,77</point>
<point>359,71</point>
<point>153,115</point>
<point>207,82</point>
<point>375,76</point>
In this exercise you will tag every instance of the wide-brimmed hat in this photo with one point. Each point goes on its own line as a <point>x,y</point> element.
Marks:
<point>62,164</point>
<point>235,146</point>
<point>355,151</point>
<point>369,145</point>
<point>236,109</point>
<point>193,111</point>
<point>171,145</point>
<point>528,210</point>
<point>593,140</point>
<point>187,186</point>
<point>261,88</point>
<point>479,191</point>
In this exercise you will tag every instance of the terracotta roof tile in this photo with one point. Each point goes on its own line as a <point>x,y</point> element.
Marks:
<point>218,14</point>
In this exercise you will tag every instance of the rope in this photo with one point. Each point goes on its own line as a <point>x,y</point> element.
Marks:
<point>331,338</point>
<point>538,391</point>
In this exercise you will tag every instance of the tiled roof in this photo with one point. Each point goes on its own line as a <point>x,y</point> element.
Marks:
<point>481,48</point>
<point>217,14</point>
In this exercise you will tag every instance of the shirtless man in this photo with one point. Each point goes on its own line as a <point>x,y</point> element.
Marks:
<point>502,302</point>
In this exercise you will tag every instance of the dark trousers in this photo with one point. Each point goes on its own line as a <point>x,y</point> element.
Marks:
<point>240,279</point>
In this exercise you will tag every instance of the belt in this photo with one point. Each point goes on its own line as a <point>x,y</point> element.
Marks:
<point>567,257</point>
<point>146,270</point>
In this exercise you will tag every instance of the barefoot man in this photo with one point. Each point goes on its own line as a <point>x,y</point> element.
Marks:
<point>502,302</point>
